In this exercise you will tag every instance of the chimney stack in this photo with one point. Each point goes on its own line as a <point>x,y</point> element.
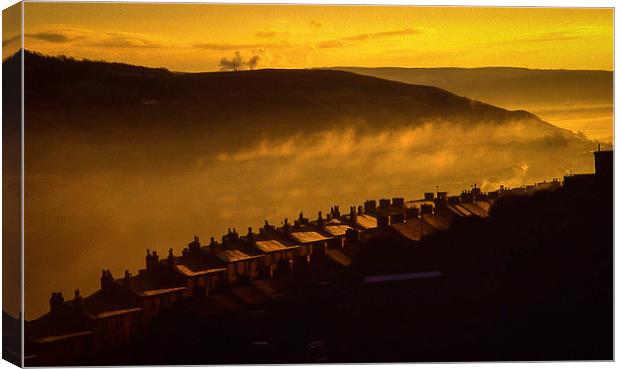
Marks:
<point>106,280</point>
<point>411,213</point>
<point>320,219</point>
<point>56,301</point>
<point>370,206</point>
<point>77,299</point>
<point>383,221</point>
<point>398,202</point>
<point>384,204</point>
<point>194,245</point>
<point>213,245</point>
<point>286,227</point>
<point>250,235</point>
<point>352,216</point>
<point>171,259</point>
<point>426,209</point>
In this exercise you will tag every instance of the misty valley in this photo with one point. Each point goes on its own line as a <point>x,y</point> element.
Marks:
<point>242,184</point>
<point>152,156</point>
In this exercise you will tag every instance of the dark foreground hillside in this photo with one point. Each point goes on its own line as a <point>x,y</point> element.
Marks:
<point>532,282</point>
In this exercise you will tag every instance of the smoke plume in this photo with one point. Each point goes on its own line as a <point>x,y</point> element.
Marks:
<point>239,62</point>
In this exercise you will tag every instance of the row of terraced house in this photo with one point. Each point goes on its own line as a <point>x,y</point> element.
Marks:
<point>123,306</point>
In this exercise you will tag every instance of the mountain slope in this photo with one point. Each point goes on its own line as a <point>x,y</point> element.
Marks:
<point>64,84</point>
<point>579,100</point>
<point>120,105</point>
<point>508,87</point>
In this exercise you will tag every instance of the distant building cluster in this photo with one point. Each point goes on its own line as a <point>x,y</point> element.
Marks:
<point>123,306</point>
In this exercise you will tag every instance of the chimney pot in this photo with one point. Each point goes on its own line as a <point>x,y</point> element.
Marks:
<point>56,301</point>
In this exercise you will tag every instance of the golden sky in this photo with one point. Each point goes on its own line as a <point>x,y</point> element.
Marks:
<point>196,37</point>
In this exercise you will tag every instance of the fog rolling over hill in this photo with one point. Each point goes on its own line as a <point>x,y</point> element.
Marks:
<point>579,100</point>
<point>120,159</point>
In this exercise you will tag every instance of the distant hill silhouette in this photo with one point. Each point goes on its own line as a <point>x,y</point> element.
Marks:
<point>508,87</point>
<point>120,104</point>
<point>57,81</point>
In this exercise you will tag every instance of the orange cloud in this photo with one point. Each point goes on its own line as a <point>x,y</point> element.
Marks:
<point>363,37</point>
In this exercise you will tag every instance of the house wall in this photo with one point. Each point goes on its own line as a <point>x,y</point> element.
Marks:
<point>153,305</point>
<point>63,351</point>
<point>244,268</point>
<point>115,329</point>
<point>203,283</point>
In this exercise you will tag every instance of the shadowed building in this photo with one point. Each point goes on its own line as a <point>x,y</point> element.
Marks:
<point>333,227</point>
<point>604,163</point>
<point>73,328</point>
<point>243,262</point>
<point>200,267</point>
<point>425,217</point>
<point>365,220</point>
<point>603,172</point>
<point>337,249</point>
<point>56,337</point>
<point>281,254</point>
<point>312,240</point>
<point>157,286</point>
<point>115,310</point>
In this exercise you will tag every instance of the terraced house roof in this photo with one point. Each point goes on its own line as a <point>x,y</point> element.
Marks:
<point>308,236</point>
<point>235,255</point>
<point>337,230</point>
<point>270,246</point>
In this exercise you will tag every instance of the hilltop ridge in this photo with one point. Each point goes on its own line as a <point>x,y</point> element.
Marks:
<point>507,86</point>
<point>266,92</point>
<point>83,97</point>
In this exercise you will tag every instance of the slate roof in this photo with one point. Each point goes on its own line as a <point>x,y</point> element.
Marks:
<point>115,300</point>
<point>237,250</point>
<point>413,229</point>
<point>365,221</point>
<point>188,272</point>
<point>336,229</point>
<point>339,257</point>
<point>484,205</point>
<point>161,281</point>
<point>198,262</point>
<point>307,236</point>
<point>270,246</point>
<point>235,255</point>
<point>475,210</point>
<point>65,323</point>
<point>437,222</point>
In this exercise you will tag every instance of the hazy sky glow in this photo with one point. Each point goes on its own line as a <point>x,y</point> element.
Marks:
<point>194,37</point>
